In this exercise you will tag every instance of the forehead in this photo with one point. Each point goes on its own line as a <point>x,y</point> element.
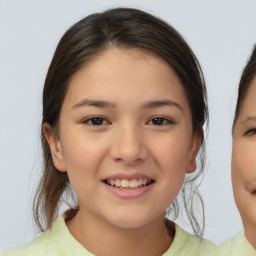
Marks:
<point>248,106</point>
<point>113,59</point>
<point>116,71</point>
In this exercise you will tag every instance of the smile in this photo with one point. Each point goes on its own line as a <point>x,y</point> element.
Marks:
<point>128,184</point>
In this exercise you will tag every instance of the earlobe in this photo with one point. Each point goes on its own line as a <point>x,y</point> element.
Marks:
<point>191,166</point>
<point>55,147</point>
<point>195,146</point>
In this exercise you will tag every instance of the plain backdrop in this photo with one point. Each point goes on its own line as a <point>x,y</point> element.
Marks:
<point>221,33</point>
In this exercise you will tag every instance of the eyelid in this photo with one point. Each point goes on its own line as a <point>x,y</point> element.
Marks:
<point>251,131</point>
<point>88,119</point>
<point>167,120</point>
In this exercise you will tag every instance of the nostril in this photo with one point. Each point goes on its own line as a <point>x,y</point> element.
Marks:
<point>128,146</point>
<point>129,156</point>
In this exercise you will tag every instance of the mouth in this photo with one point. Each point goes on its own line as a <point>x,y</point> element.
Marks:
<point>128,184</point>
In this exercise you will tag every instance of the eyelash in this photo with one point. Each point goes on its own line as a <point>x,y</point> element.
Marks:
<point>165,121</point>
<point>251,132</point>
<point>90,120</point>
<point>100,120</point>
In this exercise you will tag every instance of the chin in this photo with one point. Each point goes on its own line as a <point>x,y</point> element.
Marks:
<point>130,220</point>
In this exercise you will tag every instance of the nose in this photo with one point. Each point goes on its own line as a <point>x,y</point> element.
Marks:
<point>128,146</point>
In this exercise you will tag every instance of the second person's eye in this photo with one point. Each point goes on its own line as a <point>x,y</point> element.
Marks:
<point>159,121</point>
<point>251,131</point>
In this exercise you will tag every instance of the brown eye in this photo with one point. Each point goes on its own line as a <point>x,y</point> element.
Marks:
<point>97,121</point>
<point>160,121</point>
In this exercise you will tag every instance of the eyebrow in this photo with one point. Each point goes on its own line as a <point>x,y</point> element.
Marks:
<point>95,103</point>
<point>249,119</point>
<point>161,103</point>
<point>147,104</point>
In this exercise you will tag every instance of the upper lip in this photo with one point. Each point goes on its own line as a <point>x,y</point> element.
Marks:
<point>123,176</point>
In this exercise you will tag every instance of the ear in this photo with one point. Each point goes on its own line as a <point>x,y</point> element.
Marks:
<point>195,146</point>
<point>55,147</point>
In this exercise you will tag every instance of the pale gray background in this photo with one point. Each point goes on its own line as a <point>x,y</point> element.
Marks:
<point>220,32</point>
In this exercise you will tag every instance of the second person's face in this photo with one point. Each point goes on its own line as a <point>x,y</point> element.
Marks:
<point>244,163</point>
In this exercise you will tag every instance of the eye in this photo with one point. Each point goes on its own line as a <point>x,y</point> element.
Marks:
<point>250,132</point>
<point>96,120</point>
<point>158,120</point>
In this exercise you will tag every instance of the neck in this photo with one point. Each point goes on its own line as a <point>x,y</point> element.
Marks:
<point>102,238</point>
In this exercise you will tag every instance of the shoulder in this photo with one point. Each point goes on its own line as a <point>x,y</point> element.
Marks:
<point>186,244</point>
<point>38,245</point>
<point>195,244</point>
<point>236,246</point>
<point>53,242</point>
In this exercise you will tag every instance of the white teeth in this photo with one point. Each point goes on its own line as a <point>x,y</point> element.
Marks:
<point>135,183</point>
<point>125,183</point>
<point>139,182</point>
<point>117,183</point>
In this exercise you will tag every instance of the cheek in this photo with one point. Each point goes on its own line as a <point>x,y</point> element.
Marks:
<point>243,174</point>
<point>171,151</point>
<point>83,157</point>
<point>243,162</point>
<point>80,148</point>
<point>171,155</point>
<point>239,165</point>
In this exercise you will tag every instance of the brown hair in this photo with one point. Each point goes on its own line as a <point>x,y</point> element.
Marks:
<point>125,28</point>
<point>248,74</point>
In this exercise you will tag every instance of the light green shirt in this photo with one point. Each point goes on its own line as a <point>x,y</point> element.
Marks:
<point>58,241</point>
<point>237,246</point>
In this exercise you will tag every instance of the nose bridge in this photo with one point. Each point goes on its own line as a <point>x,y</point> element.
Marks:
<point>129,145</point>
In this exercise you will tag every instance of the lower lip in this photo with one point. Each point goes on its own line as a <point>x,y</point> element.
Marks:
<point>129,193</point>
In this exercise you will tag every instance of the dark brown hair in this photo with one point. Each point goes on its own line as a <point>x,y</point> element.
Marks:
<point>248,74</point>
<point>124,28</point>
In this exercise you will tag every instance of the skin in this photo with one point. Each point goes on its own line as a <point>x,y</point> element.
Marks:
<point>244,163</point>
<point>127,142</point>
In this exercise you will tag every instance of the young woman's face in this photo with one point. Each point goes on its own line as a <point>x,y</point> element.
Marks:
<point>125,137</point>
<point>244,163</point>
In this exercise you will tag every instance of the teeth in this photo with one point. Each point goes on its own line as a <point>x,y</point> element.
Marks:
<point>117,183</point>
<point>135,183</point>
<point>125,183</point>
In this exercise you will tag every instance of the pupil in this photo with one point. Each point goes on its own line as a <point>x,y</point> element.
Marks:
<point>97,121</point>
<point>158,121</point>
